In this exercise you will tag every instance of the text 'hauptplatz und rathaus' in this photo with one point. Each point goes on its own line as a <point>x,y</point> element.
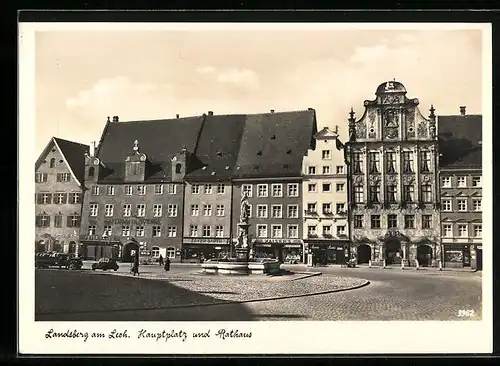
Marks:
<point>402,187</point>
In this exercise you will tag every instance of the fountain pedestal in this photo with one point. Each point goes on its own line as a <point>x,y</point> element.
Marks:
<point>242,254</point>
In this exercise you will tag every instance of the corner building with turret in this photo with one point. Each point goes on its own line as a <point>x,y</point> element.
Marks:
<point>392,156</point>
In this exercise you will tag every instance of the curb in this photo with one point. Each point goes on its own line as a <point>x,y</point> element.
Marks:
<point>365,283</point>
<point>306,275</point>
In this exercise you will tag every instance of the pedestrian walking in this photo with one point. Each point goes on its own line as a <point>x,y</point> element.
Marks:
<point>135,267</point>
<point>160,260</point>
<point>167,264</point>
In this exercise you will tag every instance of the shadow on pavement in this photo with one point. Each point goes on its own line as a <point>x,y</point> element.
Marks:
<point>83,296</point>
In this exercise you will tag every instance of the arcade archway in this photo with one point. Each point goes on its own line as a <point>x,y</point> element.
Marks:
<point>129,250</point>
<point>424,255</point>
<point>393,251</point>
<point>364,253</point>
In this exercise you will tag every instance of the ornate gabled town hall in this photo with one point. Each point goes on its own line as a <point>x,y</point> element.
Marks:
<point>393,181</point>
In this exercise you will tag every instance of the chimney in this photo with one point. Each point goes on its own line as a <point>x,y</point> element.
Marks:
<point>115,119</point>
<point>272,110</point>
<point>210,113</point>
<point>92,148</point>
<point>176,116</point>
<point>462,110</point>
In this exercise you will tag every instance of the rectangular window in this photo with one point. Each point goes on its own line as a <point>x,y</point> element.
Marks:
<point>326,169</point>
<point>277,211</point>
<point>195,188</point>
<point>171,188</point>
<point>207,210</point>
<point>108,210</point>
<point>340,169</point>
<point>159,188</point>
<point>311,207</point>
<point>311,187</point>
<point>128,190</point>
<point>311,230</point>
<point>157,210</point>
<point>425,161</point>
<point>126,230</point>
<point>375,221</point>
<point>447,230</point>
<point>340,208</point>
<point>478,230</point>
<point>340,230</point>
<point>477,205</point>
<point>392,221</point>
<point>60,198</point>
<point>193,230</point>
<point>127,210</point>
<point>357,162</point>
<point>139,231</point>
<point>293,190</point>
<point>391,191</point>
<point>92,230</point>
<point>358,193</point>
<point>325,154</point>
<point>407,162</point>
<point>63,177</point>
<point>247,188</point>
<point>262,211</point>
<point>462,205</point>
<point>374,161</point>
<point>221,188</point>
<point>446,182</point>
<point>426,193</point>
<point>408,192</point>
<point>141,190</point>
<point>141,210</point>
<point>262,231</point>
<point>293,231</point>
<point>219,231</point>
<point>156,231</point>
<point>293,211</point>
<point>41,177</point>
<point>207,189</point>
<point>108,230</point>
<point>73,221</point>
<point>426,222</point>
<point>358,221</point>
<point>462,230</point>
<point>172,210</point>
<point>340,187</point>
<point>277,233</point>
<point>327,187</point>
<point>220,210</point>
<point>94,209</point>
<point>375,194</point>
<point>462,182</point>
<point>44,198</point>
<point>390,157</point>
<point>477,182</point>
<point>311,170</point>
<point>409,221</point>
<point>446,204</point>
<point>172,231</point>
<point>110,190</point>
<point>327,230</point>
<point>58,221</point>
<point>207,230</point>
<point>262,190</point>
<point>327,208</point>
<point>195,210</point>
<point>75,198</point>
<point>95,190</point>
<point>277,190</point>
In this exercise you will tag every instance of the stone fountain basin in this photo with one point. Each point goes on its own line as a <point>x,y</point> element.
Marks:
<point>235,267</point>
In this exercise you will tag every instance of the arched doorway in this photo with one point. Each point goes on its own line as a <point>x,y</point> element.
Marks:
<point>424,255</point>
<point>129,249</point>
<point>364,253</point>
<point>393,251</point>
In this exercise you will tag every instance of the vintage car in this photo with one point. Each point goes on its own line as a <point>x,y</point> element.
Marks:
<point>61,260</point>
<point>105,264</point>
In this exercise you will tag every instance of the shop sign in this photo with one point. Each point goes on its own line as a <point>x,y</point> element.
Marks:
<point>99,238</point>
<point>292,246</point>
<point>132,221</point>
<point>278,241</point>
<point>220,241</point>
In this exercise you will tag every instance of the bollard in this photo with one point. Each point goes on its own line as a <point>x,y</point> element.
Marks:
<point>402,265</point>
<point>384,263</point>
<point>370,264</point>
<point>417,265</point>
<point>440,266</point>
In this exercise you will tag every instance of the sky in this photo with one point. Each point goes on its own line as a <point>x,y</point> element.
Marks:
<point>81,77</point>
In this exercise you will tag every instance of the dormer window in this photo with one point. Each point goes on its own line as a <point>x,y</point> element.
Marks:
<point>91,171</point>
<point>178,168</point>
<point>135,167</point>
<point>273,137</point>
<point>52,162</point>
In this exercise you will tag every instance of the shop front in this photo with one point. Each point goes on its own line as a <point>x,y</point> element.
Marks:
<point>94,247</point>
<point>328,251</point>
<point>284,250</point>
<point>200,249</point>
<point>458,255</point>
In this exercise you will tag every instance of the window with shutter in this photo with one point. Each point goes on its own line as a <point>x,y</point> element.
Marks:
<point>49,199</point>
<point>68,221</point>
<point>37,221</point>
<point>39,198</point>
<point>65,198</point>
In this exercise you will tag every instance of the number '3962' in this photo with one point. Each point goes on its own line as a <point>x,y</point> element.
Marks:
<point>465,313</point>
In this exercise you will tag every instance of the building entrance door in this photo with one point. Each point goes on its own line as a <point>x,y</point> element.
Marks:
<point>364,253</point>
<point>479,259</point>
<point>393,252</point>
<point>466,256</point>
<point>424,255</point>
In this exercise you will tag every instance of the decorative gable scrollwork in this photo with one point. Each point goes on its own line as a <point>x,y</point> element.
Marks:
<point>374,180</point>
<point>361,129</point>
<point>422,129</point>
<point>391,179</point>
<point>426,178</point>
<point>408,179</point>
<point>358,179</point>
<point>410,123</point>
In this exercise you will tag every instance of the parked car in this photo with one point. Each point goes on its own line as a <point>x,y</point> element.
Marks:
<point>54,259</point>
<point>105,264</point>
